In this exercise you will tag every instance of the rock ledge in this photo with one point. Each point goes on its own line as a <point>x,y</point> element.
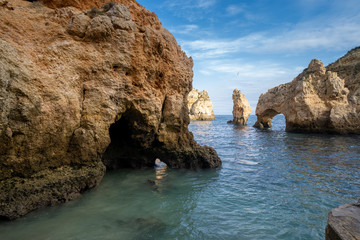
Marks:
<point>344,223</point>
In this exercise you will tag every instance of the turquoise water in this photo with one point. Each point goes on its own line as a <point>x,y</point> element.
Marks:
<point>272,185</point>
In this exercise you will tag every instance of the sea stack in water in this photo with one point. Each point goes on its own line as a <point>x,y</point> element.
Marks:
<point>318,100</point>
<point>81,91</point>
<point>200,105</point>
<point>241,108</point>
<point>344,223</point>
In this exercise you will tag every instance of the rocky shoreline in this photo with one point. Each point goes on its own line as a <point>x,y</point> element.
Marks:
<point>86,86</point>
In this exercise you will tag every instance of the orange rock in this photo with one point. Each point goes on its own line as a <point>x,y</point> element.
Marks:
<point>78,92</point>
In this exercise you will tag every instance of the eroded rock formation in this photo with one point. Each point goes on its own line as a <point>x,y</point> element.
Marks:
<point>81,90</point>
<point>344,222</point>
<point>241,108</point>
<point>200,105</point>
<point>318,100</point>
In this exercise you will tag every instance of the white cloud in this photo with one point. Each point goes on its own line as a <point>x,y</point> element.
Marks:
<point>184,29</point>
<point>234,10</point>
<point>205,3</point>
<point>189,4</point>
<point>337,35</point>
<point>246,71</point>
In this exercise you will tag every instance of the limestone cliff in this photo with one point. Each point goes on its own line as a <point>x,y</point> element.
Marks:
<point>200,105</point>
<point>318,100</point>
<point>241,108</point>
<point>85,88</point>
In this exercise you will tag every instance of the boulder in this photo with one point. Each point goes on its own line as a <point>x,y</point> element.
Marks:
<point>344,223</point>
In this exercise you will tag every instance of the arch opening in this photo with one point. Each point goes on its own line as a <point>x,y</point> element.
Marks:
<point>264,120</point>
<point>130,145</point>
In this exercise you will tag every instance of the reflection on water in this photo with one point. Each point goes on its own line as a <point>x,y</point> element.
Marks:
<point>272,185</point>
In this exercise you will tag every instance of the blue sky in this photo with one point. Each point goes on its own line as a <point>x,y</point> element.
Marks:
<point>259,44</point>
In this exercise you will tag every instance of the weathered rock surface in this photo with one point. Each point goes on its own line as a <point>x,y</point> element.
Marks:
<point>318,100</point>
<point>241,108</point>
<point>81,90</point>
<point>200,105</point>
<point>344,223</point>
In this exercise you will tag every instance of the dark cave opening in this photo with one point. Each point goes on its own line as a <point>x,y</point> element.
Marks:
<point>130,145</point>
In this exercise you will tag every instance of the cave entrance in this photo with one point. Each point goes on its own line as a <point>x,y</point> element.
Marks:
<point>130,145</point>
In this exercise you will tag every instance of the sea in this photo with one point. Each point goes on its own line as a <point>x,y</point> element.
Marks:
<point>272,185</point>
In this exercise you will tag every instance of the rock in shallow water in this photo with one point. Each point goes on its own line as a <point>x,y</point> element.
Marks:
<point>78,93</point>
<point>318,100</point>
<point>241,108</point>
<point>344,223</point>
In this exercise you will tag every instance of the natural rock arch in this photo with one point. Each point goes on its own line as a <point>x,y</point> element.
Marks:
<point>318,100</point>
<point>265,119</point>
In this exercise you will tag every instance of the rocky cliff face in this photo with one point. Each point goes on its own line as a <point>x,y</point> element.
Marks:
<point>85,90</point>
<point>318,100</point>
<point>200,105</point>
<point>241,108</point>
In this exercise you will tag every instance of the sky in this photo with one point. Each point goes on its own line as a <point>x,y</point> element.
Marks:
<point>255,45</point>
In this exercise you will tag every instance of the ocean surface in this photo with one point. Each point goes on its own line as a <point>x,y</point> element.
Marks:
<point>272,185</point>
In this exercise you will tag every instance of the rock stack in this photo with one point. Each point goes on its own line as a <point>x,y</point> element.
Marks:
<point>241,108</point>
<point>200,106</point>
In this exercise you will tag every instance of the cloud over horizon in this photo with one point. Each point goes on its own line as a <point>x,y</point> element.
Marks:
<point>256,45</point>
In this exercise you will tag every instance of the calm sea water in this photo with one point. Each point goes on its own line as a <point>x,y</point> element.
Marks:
<point>272,185</point>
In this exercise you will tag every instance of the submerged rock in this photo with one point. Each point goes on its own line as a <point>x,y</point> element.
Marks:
<point>318,100</point>
<point>241,108</point>
<point>80,92</point>
<point>200,105</point>
<point>344,223</point>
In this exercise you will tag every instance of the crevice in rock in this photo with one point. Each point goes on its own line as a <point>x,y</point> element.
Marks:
<point>163,109</point>
<point>83,99</point>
